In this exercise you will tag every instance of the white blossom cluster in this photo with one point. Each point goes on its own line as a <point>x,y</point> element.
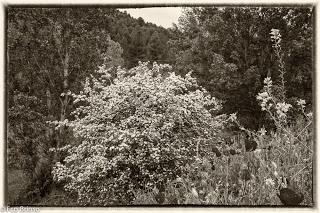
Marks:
<point>135,130</point>
<point>275,37</point>
<point>282,109</point>
<point>269,103</point>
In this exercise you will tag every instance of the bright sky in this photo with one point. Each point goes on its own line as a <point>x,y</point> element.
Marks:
<point>163,16</point>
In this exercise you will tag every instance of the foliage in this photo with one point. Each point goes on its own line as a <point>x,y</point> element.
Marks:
<point>135,133</point>
<point>290,148</point>
<point>248,178</point>
<point>26,130</point>
<point>57,197</point>
<point>140,40</point>
<point>18,183</point>
<point>113,55</point>
<point>50,51</point>
<point>28,144</point>
<point>156,47</point>
<point>74,40</point>
<point>252,178</point>
<point>144,134</point>
<point>240,37</point>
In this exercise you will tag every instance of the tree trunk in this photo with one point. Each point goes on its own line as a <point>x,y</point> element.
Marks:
<point>49,130</point>
<point>64,99</point>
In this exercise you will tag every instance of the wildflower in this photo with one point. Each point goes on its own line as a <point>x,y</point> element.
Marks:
<point>194,192</point>
<point>309,115</point>
<point>301,103</point>
<point>283,106</point>
<point>262,131</point>
<point>264,97</point>
<point>267,81</point>
<point>282,109</point>
<point>269,182</point>
<point>233,117</point>
<point>275,32</point>
<point>275,35</point>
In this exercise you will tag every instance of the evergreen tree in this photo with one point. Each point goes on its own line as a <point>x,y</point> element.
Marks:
<point>155,47</point>
<point>137,48</point>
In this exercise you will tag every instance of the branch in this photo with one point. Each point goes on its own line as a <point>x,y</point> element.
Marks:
<point>45,71</point>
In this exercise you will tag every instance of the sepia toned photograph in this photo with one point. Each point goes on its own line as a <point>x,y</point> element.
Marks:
<point>160,105</point>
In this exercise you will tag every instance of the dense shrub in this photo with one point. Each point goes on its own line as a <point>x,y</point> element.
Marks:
<point>136,132</point>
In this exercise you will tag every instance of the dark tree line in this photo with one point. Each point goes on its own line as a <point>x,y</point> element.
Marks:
<point>140,41</point>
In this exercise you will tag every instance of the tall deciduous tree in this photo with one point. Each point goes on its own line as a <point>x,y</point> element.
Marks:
<point>50,51</point>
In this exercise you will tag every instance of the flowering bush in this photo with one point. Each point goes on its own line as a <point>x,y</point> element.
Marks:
<point>135,131</point>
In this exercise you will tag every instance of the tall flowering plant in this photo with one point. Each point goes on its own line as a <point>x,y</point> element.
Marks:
<point>276,109</point>
<point>135,131</point>
<point>287,151</point>
<point>276,39</point>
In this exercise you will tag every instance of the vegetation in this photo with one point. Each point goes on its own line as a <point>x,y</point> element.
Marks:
<point>136,133</point>
<point>98,117</point>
